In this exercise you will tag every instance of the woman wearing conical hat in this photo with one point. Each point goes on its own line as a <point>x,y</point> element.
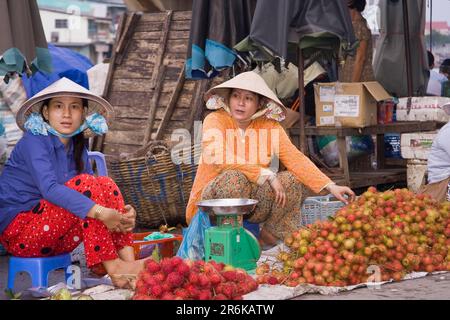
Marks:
<point>241,143</point>
<point>50,201</point>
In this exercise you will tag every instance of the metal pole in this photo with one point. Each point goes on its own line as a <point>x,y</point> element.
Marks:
<point>407,47</point>
<point>431,26</point>
<point>301,96</point>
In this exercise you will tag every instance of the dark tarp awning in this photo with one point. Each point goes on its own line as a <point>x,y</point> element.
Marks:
<point>390,62</point>
<point>310,23</point>
<point>22,41</point>
<point>216,26</point>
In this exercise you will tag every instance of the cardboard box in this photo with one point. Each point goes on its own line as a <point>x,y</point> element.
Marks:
<point>422,109</point>
<point>351,105</point>
<point>416,146</point>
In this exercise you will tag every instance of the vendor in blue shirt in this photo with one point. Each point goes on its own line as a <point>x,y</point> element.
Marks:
<point>50,201</point>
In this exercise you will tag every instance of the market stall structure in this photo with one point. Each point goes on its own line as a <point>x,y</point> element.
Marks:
<point>148,88</point>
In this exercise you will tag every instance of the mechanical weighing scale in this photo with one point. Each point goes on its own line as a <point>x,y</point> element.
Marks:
<point>229,242</point>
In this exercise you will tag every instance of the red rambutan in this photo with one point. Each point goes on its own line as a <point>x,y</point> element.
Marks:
<point>152,266</point>
<point>205,295</point>
<point>156,291</point>
<point>183,269</point>
<point>174,279</point>
<point>166,266</point>
<point>230,275</point>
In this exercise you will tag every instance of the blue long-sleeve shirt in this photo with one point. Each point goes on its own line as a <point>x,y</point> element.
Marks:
<point>37,169</point>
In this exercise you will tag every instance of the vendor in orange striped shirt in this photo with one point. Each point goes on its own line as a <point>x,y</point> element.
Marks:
<point>242,143</point>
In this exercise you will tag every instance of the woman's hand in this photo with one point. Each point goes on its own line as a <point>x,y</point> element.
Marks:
<point>129,222</point>
<point>340,191</point>
<point>113,219</point>
<point>278,189</point>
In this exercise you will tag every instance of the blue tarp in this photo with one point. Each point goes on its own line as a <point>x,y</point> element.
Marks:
<point>66,63</point>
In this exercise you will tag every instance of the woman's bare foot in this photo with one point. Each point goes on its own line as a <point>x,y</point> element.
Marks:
<point>124,273</point>
<point>266,239</point>
<point>126,254</point>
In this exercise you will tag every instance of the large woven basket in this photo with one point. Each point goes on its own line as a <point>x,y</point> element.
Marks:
<point>154,185</point>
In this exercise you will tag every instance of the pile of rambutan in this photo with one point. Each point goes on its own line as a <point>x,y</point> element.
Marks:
<point>178,279</point>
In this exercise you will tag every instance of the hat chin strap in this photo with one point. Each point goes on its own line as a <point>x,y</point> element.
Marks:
<point>258,114</point>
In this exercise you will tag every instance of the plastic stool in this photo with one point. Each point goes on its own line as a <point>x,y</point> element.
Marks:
<point>99,159</point>
<point>37,268</point>
<point>252,227</point>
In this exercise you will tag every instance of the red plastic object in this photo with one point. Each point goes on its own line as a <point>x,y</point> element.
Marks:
<point>166,248</point>
<point>386,112</point>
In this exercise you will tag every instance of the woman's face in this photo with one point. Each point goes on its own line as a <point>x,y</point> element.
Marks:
<point>243,104</point>
<point>64,114</point>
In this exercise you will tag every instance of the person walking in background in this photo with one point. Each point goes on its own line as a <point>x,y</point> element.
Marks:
<point>358,67</point>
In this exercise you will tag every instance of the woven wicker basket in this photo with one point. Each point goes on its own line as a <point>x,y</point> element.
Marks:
<point>154,185</point>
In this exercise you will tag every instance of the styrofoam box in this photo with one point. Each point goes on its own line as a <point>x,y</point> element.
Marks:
<point>416,174</point>
<point>423,109</point>
<point>417,145</point>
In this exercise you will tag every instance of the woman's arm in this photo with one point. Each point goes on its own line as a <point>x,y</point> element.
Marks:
<point>42,171</point>
<point>359,61</point>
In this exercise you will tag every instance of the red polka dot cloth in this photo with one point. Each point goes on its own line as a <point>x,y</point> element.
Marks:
<point>49,230</point>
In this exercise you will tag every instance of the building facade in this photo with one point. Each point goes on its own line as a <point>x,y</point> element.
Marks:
<point>87,27</point>
<point>440,26</point>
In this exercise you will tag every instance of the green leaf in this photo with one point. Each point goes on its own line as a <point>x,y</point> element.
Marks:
<point>13,296</point>
<point>155,254</point>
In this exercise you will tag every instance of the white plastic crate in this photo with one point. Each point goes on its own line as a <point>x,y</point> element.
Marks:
<point>416,146</point>
<point>319,208</point>
<point>423,109</point>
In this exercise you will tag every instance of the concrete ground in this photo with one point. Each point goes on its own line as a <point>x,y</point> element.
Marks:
<point>433,287</point>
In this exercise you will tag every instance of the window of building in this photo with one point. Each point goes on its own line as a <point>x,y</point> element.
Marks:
<point>92,28</point>
<point>54,36</point>
<point>61,24</point>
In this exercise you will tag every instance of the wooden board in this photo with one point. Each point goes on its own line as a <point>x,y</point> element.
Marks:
<point>366,179</point>
<point>145,42</point>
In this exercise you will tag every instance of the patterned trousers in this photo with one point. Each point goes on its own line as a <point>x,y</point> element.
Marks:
<point>49,230</point>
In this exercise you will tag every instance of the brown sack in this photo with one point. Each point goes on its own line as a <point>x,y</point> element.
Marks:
<point>437,190</point>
